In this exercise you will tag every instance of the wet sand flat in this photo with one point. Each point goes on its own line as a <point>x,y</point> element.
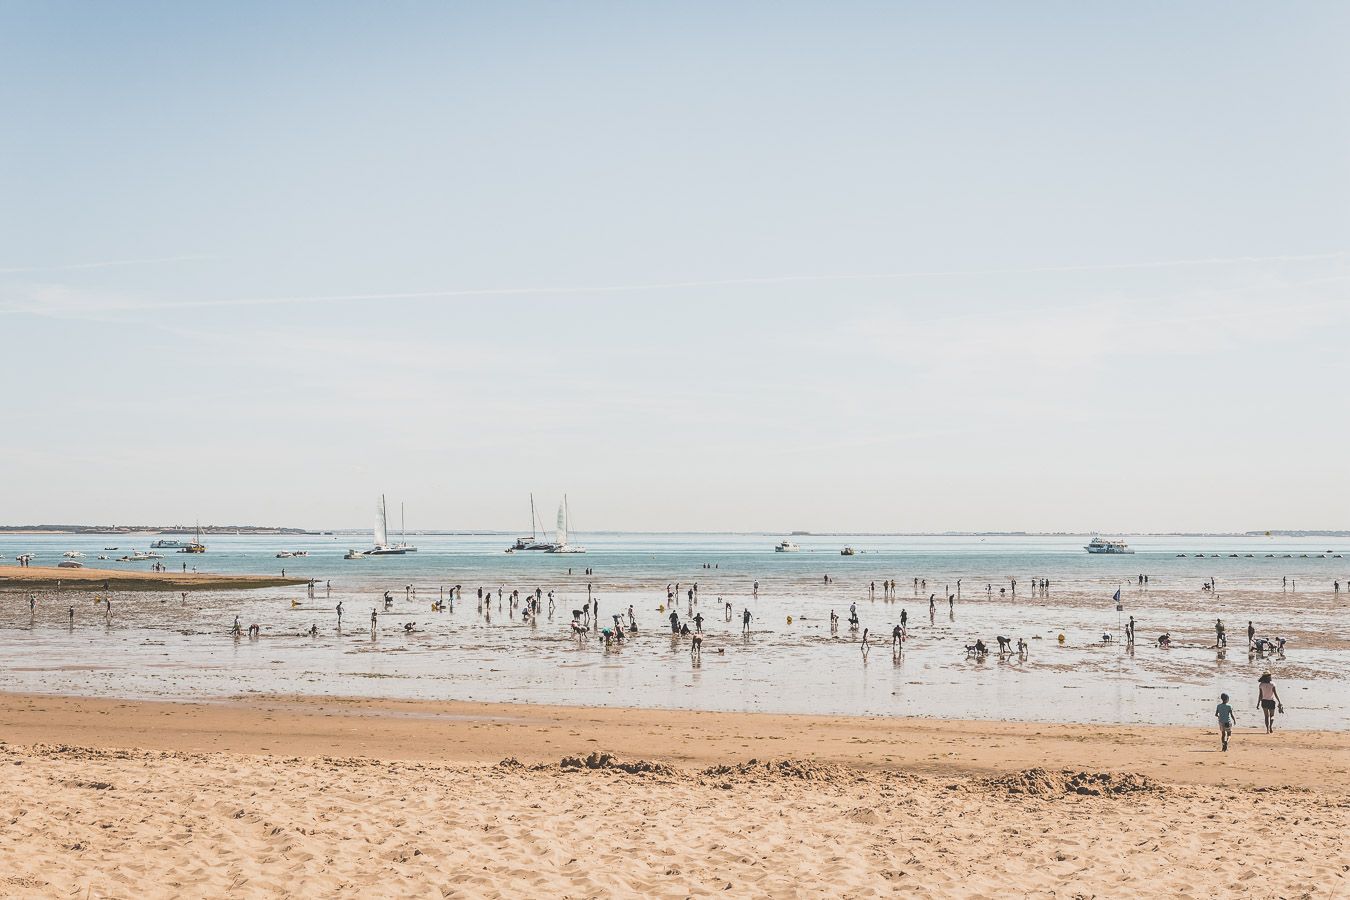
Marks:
<point>265,798</point>
<point>47,578</point>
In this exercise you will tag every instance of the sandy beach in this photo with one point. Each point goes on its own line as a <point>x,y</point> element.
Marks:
<point>279,796</point>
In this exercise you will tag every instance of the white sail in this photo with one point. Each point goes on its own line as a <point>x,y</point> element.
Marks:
<point>381,525</point>
<point>562,524</point>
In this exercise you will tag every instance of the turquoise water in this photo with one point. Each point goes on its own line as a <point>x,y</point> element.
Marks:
<point>158,646</point>
<point>638,558</point>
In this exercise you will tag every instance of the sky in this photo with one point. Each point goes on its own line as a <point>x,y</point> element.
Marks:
<point>700,266</point>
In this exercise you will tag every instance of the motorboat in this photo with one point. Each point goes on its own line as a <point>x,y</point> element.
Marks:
<point>291,554</point>
<point>109,548</point>
<point>354,554</point>
<point>564,527</point>
<point>848,551</point>
<point>1100,544</point>
<point>72,554</point>
<point>786,547</point>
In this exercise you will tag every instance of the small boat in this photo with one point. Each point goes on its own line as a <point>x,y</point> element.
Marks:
<point>109,548</point>
<point>1102,545</point>
<point>848,551</point>
<point>103,556</point>
<point>354,554</point>
<point>193,546</point>
<point>291,554</point>
<point>72,554</point>
<point>786,547</point>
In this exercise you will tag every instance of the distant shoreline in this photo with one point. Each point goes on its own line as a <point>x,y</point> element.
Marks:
<point>264,531</point>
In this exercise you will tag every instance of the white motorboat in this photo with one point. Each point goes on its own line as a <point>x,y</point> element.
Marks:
<point>848,551</point>
<point>564,526</point>
<point>72,554</point>
<point>354,554</point>
<point>786,547</point>
<point>1100,544</point>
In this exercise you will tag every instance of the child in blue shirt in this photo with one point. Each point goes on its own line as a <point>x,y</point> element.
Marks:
<point>1224,713</point>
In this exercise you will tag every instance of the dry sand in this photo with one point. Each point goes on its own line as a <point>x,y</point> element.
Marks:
<point>372,798</point>
<point>46,577</point>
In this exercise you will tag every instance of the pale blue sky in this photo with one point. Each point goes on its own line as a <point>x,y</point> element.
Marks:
<point>702,266</point>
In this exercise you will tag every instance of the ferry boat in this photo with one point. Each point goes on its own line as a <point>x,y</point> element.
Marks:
<point>160,545</point>
<point>786,547</point>
<point>1100,544</point>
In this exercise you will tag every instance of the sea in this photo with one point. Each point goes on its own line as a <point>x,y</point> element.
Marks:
<point>439,641</point>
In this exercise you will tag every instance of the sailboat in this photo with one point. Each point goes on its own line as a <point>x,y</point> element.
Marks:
<point>402,532</point>
<point>532,542</point>
<point>564,526</point>
<point>195,545</point>
<point>382,546</point>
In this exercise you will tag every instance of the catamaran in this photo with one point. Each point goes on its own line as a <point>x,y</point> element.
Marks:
<point>382,546</point>
<point>564,526</point>
<point>532,542</point>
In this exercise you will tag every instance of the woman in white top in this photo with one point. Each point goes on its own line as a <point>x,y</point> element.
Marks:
<point>1268,699</point>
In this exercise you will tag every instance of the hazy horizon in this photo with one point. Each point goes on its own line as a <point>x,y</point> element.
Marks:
<point>895,268</point>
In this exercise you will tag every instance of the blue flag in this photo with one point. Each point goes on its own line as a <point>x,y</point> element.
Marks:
<point>1119,606</point>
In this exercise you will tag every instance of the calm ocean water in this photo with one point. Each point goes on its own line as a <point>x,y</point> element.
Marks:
<point>159,646</point>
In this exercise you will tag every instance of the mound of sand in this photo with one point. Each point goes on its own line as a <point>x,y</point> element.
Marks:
<point>798,769</point>
<point>1044,783</point>
<point>598,760</point>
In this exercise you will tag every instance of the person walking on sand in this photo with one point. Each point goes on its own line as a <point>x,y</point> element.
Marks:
<point>1268,699</point>
<point>1224,713</point>
<point>745,621</point>
<point>339,613</point>
<point>1220,639</point>
<point>1251,634</point>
